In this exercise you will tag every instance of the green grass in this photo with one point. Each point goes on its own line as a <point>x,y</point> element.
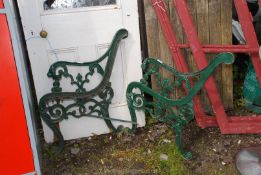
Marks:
<point>141,158</point>
<point>174,164</point>
<point>151,159</point>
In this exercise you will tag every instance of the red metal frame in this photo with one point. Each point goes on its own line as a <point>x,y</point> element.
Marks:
<point>227,124</point>
<point>1,4</point>
<point>15,151</point>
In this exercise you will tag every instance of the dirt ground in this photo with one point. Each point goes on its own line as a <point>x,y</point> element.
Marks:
<point>151,150</point>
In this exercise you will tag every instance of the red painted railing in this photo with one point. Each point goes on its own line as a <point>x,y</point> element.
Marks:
<point>227,124</point>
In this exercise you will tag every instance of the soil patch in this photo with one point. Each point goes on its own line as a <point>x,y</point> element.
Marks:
<point>151,150</point>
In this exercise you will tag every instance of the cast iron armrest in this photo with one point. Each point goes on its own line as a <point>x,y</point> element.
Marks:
<point>59,70</point>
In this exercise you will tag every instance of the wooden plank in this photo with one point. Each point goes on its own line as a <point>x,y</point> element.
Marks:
<point>202,21</point>
<point>165,55</point>
<point>212,19</point>
<point>152,33</point>
<point>215,35</point>
<point>152,30</point>
<point>227,70</point>
<point>156,42</point>
<point>203,35</point>
<point>177,26</point>
<point>142,23</point>
<point>192,6</point>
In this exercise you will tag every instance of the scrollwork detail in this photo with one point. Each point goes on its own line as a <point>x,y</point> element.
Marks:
<point>57,112</point>
<point>60,69</point>
<point>138,101</point>
<point>107,94</point>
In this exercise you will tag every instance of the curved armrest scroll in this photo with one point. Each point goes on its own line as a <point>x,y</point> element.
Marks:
<point>204,74</point>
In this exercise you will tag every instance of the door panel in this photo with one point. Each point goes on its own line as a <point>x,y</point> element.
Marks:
<point>15,151</point>
<point>79,34</point>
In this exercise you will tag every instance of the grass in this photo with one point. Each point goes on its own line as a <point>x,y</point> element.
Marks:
<point>174,164</point>
<point>140,154</point>
<point>139,160</point>
<point>149,158</point>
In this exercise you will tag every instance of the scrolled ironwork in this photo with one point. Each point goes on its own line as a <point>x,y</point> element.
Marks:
<point>85,101</point>
<point>175,112</point>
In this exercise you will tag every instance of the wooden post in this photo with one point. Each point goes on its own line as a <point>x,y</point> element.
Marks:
<point>227,70</point>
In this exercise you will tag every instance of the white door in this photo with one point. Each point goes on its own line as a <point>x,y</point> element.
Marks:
<point>80,31</point>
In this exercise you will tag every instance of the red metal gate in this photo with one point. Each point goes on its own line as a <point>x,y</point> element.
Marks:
<point>227,124</point>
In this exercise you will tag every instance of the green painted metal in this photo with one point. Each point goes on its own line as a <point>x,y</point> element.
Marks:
<point>252,90</point>
<point>84,101</point>
<point>175,112</point>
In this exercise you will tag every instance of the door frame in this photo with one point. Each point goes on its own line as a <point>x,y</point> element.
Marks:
<point>19,58</point>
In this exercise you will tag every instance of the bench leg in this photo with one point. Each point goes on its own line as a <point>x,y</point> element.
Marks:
<point>133,117</point>
<point>132,110</point>
<point>178,131</point>
<point>107,120</point>
<point>57,133</point>
<point>137,102</point>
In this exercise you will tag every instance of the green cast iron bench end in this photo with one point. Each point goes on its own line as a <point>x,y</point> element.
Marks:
<point>84,100</point>
<point>175,112</point>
